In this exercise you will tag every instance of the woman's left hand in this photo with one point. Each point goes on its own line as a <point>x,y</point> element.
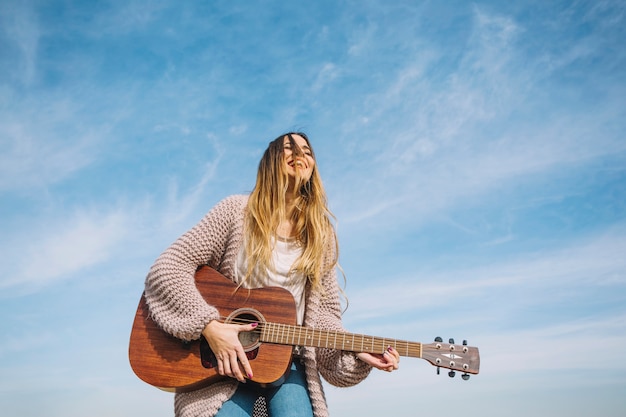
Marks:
<point>387,361</point>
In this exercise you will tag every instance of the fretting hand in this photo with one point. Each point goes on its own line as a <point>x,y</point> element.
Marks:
<point>387,361</point>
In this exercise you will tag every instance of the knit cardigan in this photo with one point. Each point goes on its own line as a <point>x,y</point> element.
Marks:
<point>179,309</point>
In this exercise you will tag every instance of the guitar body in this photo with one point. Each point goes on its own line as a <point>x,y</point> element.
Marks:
<point>171,364</point>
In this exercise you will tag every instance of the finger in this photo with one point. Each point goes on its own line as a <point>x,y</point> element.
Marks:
<point>243,359</point>
<point>235,369</point>
<point>245,365</point>
<point>224,365</point>
<point>393,352</point>
<point>220,366</point>
<point>391,359</point>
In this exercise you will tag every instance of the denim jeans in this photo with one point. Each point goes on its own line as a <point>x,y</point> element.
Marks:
<point>291,399</point>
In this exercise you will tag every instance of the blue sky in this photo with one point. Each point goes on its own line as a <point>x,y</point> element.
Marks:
<point>473,153</point>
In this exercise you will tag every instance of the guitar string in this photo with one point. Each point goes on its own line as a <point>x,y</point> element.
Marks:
<point>322,338</point>
<point>292,335</point>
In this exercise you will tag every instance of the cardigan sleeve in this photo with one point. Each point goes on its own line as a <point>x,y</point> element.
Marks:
<point>174,302</point>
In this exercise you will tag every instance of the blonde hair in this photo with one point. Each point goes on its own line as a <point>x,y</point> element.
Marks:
<point>311,217</point>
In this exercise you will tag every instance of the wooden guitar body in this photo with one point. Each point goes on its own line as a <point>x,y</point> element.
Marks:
<point>171,364</point>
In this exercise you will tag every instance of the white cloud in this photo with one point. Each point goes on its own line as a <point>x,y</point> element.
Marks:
<point>179,205</point>
<point>570,345</point>
<point>588,263</point>
<point>326,75</point>
<point>18,21</point>
<point>35,158</point>
<point>462,137</point>
<point>49,253</point>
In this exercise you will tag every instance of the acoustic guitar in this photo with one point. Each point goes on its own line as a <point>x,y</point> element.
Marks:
<point>171,364</point>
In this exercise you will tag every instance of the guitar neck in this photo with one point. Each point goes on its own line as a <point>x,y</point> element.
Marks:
<point>284,334</point>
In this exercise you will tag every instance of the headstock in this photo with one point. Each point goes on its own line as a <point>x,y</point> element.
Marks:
<point>454,357</point>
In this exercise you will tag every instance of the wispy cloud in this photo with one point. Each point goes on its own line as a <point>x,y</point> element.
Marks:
<point>58,251</point>
<point>181,203</point>
<point>18,23</point>
<point>572,344</point>
<point>36,158</point>
<point>460,138</point>
<point>588,263</point>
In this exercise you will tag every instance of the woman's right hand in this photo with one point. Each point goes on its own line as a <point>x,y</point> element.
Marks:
<point>224,341</point>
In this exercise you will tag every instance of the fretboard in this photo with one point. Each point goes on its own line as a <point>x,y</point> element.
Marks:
<point>284,334</point>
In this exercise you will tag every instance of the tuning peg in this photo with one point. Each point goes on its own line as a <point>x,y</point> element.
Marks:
<point>465,348</point>
<point>451,341</point>
<point>465,377</point>
<point>438,370</point>
<point>438,339</point>
<point>451,374</point>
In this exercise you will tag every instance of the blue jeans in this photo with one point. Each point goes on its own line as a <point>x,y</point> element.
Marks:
<point>291,399</point>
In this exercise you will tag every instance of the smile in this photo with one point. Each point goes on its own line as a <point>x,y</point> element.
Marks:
<point>298,164</point>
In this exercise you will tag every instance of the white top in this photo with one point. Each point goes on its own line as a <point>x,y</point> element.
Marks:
<point>286,252</point>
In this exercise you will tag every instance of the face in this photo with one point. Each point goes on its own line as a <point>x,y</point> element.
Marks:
<point>299,162</point>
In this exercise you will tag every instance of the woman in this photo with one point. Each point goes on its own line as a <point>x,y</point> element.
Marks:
<point>280,235</point>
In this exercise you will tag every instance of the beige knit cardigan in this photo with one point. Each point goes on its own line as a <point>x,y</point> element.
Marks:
<point>177,306</point>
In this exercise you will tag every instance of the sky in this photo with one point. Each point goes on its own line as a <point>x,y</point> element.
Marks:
<point>473,154</point>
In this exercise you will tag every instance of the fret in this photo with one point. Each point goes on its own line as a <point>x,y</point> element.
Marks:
<point>288,336</point>
<point>265,332</point>
<point>332,339</point>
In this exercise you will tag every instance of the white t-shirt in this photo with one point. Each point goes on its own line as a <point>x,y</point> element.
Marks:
<point>286,252</point>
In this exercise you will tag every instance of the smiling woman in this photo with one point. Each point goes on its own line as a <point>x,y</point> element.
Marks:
<point>280,235</point>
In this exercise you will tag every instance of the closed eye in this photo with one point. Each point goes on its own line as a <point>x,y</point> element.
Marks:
<point>305,149</point>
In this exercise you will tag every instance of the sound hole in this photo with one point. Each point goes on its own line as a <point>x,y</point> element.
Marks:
<point>249,340</point>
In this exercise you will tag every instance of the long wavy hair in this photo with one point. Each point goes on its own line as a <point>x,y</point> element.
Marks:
<point>311,218</point>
